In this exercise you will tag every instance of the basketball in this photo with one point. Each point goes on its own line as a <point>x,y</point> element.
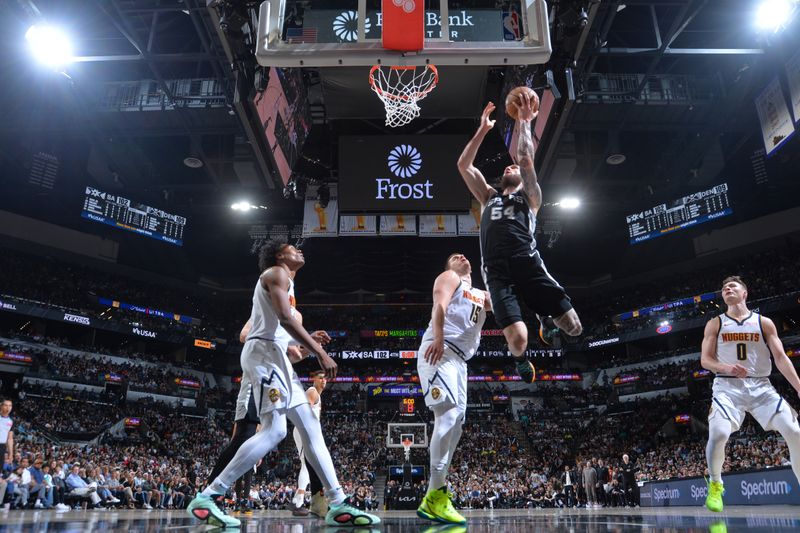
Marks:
<point>515,96</point>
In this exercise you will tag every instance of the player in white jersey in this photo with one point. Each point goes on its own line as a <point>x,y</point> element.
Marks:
<point>451,339</point>
<point>246,420</point>
<point>737,347</point>
<point>278,393</point>
<point>314,395</point>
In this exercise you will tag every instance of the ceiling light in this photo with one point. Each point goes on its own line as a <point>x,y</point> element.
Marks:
<point>774,14</point>
<point>49,45</point>
<point>242,206</point>
<point>569,203</point>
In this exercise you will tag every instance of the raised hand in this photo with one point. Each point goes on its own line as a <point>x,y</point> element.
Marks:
<point>525,111</point>
<point>486,122</point>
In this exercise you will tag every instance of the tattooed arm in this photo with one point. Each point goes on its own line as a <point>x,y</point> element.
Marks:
<point>525,154</point>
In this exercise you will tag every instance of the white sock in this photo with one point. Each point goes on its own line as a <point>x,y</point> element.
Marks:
<point>719,430</point>
<point>446,433</point>
<point>273,431</point>
<point>316,451</point>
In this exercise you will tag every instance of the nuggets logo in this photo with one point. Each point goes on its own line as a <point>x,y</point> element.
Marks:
<point>274,395</point>
<point>436,393</point>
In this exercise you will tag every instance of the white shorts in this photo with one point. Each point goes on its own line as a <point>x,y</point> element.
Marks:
<point>443,383</point>
<point>245,407</point>
<point>732,398</point>
<point>275,384</point>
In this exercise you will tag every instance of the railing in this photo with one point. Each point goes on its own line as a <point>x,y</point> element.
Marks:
<point>658,89</point>
<point>147,95</point>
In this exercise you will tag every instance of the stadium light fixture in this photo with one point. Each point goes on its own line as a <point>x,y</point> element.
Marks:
<point>49,45</point>
<point>774,14</point>
<point>569,203</point>
<point>245,206</point>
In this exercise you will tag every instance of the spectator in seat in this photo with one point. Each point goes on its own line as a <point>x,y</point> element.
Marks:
<point>37,486</point>
<point>78,486</point>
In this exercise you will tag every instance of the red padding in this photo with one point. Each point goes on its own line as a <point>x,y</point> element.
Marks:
<point>403,25</point>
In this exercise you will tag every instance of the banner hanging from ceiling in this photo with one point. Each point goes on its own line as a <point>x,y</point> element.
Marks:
<point>357,225</point>
<point>793,75</point>
<point>398,224</point>
<point>319,220</point>
<point>437,226</point>
<point>470,224</point>
<point>773,113</point>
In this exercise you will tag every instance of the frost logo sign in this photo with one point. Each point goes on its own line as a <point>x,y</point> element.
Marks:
<point>345,26</point>
<point>404,161</point>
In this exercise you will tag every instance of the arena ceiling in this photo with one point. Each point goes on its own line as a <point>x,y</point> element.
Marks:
<point>668,84</point>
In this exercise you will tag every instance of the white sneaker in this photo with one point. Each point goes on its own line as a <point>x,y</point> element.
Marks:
<point>62,507</point>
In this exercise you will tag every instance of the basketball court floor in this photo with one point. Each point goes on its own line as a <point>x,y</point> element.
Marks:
<point>676,519</point>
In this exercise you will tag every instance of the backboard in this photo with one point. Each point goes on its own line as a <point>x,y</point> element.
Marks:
<point>334,33</point>
<point>397,432</point>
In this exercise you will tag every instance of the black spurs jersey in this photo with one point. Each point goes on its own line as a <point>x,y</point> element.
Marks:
<point>507,227</point>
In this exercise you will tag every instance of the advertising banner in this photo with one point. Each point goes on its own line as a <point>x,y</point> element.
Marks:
<point>776,486</point>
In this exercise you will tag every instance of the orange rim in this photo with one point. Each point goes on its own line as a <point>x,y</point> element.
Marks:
<point>419,94</point>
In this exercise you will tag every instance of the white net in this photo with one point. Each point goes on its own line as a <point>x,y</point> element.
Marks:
<point>400,88</point>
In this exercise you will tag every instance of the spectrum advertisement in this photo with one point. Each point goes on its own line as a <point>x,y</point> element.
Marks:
<point>776,486</point>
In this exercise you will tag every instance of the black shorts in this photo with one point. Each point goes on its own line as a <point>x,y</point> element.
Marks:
<point>523,278</point>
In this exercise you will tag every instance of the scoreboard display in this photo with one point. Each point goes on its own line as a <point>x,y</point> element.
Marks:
<point>408,406</point>
<point>679,214</point>
<point>121,213</point>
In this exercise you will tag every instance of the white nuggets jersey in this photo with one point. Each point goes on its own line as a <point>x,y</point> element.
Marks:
<point>266,325</point>
<point>463,320</point>
<point>743,343</point>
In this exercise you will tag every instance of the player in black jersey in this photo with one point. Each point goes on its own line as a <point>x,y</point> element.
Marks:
<point>512,267</point>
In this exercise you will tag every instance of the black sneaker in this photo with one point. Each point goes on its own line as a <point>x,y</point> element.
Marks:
<point>548,330</point>
<point>525,370</point>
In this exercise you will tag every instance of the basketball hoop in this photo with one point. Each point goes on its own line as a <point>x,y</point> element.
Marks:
<point>400,88</point>
<point>407,447</point>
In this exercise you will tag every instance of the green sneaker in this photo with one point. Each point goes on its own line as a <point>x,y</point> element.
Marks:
<point>525,370</point>
<point>436,506</point>
<point>345,514</point>
<point>548,331</point>
<point>204,509</point>
<point>714,498</point>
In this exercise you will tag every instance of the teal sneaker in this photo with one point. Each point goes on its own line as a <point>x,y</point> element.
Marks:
<point>345,514</point>
<point>204,509</point>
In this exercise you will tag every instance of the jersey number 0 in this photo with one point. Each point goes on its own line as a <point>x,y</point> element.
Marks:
<point>741,351</point>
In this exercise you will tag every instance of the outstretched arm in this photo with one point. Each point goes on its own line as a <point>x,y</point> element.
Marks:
<point>525,154</point>
<point>473,177</point>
